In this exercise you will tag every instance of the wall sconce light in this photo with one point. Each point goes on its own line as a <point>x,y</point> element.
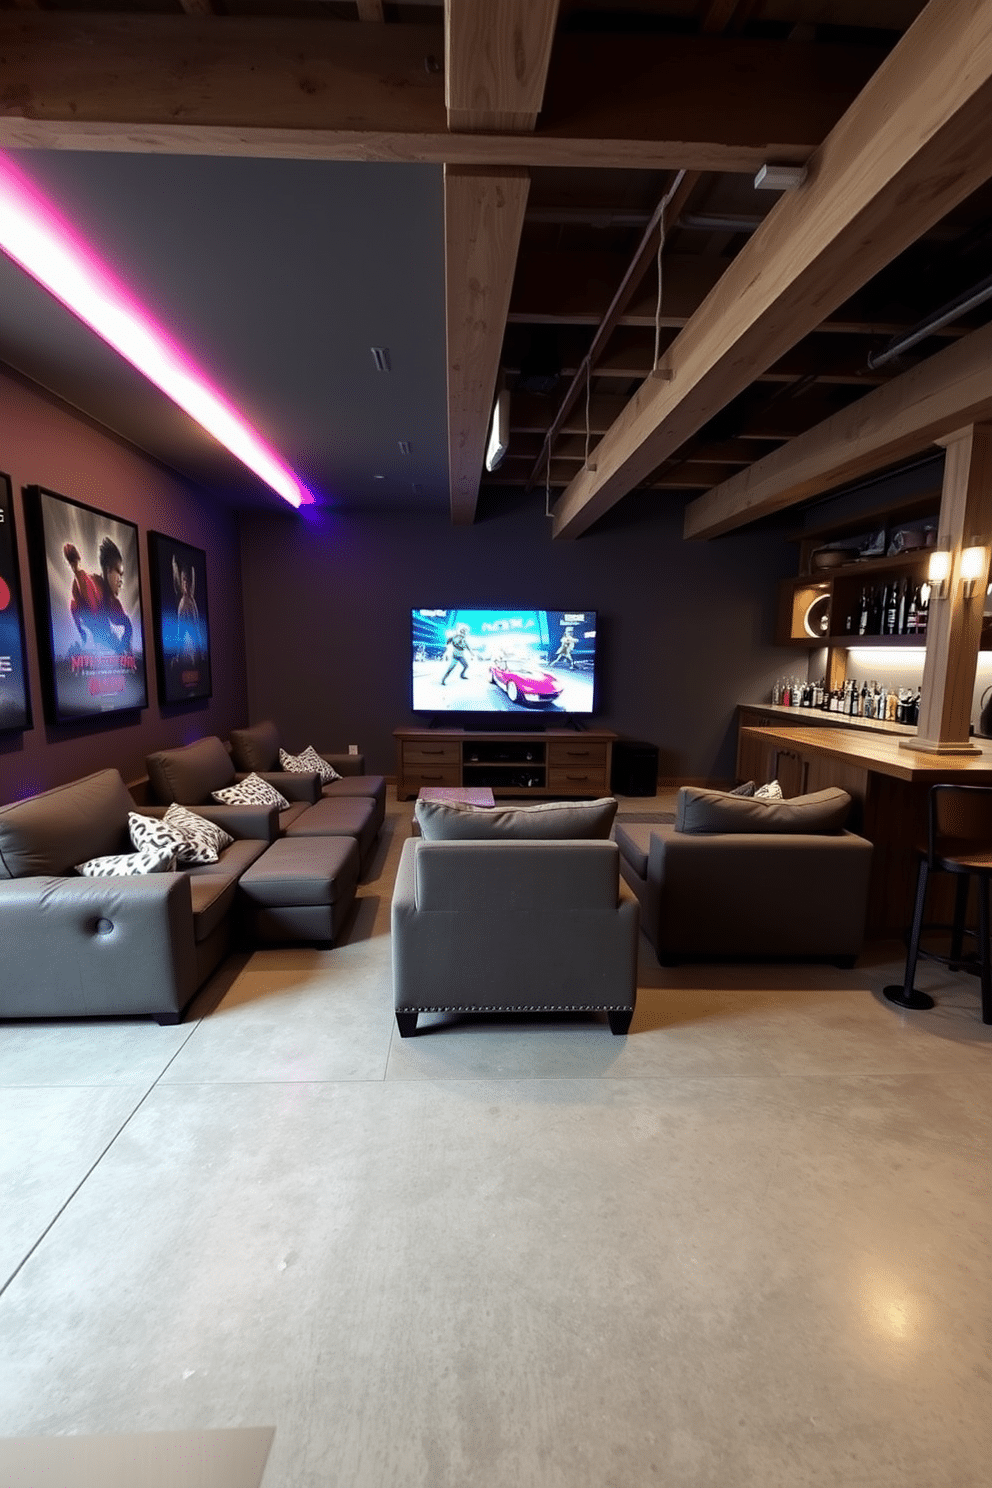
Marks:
<point>974,569</point>
<point>939,570</point>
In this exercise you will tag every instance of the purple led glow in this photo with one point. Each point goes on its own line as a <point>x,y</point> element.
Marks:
<point>36,238</point>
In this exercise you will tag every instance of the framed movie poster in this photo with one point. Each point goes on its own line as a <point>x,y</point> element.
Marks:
<point>87,587</point>
<point>180,617</point>
<point>15,708</point>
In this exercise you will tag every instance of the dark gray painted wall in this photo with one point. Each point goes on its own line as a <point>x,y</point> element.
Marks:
<point>42,443</point>
<point>685,628</point>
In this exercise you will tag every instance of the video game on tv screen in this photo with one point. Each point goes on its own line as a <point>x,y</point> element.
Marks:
<point>504,661</point>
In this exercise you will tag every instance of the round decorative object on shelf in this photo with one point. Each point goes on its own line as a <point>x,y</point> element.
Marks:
<point>816,621</point>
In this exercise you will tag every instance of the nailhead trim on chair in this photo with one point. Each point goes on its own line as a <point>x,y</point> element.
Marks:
<point>541,1007</point>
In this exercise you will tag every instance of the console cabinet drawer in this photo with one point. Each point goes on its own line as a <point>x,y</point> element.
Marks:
<point>419,775</point>
<point>431,754</point>
<point>589,756</point>
<point>577,780</point>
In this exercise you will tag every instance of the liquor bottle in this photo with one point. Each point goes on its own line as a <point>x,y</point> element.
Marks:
<point>923,609</point>
<point>891,608</point>
<point>912,609</point>
<point>865,613</point>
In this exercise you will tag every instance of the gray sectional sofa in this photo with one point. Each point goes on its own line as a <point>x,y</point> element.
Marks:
<point>78,947</point>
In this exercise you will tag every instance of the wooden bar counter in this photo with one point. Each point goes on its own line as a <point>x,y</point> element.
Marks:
<point>889,785</point>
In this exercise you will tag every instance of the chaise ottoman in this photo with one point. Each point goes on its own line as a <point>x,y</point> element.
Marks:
<point>301,888</point>
<point>340,816</point>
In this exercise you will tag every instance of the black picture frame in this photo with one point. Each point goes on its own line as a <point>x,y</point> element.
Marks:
<point>15,695</point>
<point>86,576</point>
<point>180,619</point>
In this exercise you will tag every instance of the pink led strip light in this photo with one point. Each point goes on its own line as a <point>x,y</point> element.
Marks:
<point>33,235</point>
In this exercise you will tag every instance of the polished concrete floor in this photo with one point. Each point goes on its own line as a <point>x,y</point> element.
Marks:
<point>750,1244</point>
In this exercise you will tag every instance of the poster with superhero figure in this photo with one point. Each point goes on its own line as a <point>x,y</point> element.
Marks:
<point>15,708</point>
<point>179,612</point>
<point>87,586</point>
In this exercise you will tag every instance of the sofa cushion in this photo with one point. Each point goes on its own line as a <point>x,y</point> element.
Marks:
<point>257,747</point>
<point>48,834</point>
<point>308,762</point>
<point>700,811</point>
<point>189,774</point>
<point>453,821</point>
<point>252,791</point>
<point>203,841</point>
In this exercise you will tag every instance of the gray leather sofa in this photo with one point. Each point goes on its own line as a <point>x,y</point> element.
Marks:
<point>257,748</point>
<point>781,880</point>
<point>78,947</point>
<point>512,926</point>
<point>192,772</point>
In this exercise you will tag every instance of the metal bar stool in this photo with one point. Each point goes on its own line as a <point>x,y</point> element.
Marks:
<point>959,841</point>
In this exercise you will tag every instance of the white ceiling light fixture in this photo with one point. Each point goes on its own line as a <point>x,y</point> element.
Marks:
<point>779,177</point>
<point>499,431</point>
<point>35,237</point>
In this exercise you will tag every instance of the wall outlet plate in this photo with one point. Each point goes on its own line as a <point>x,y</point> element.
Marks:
<point>352,748</point>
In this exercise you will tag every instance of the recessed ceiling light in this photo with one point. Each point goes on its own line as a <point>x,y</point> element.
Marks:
<point>34,236</point>
<point>404,446</point>
<point>380,355</point>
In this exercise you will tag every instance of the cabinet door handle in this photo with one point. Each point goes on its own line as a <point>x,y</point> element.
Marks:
<point>432,751</point>
<point>577,753</point>
<point>425,776</point>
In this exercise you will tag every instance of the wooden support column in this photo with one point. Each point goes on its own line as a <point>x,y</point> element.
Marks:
<point>955,626</point>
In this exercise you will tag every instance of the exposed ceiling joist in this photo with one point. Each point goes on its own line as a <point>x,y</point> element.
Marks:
<point>371,10</point>
<point>338,91</point>
<point>892,423</point>
<point>483,215</point>
<point>496,62</point>
<point>912,146</point>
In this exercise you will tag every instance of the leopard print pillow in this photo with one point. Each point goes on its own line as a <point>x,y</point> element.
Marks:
<point>308,762</point>
<point>151,832</point>
<point>126,865</point>
<point>203,841</point>
<point>252,791</point>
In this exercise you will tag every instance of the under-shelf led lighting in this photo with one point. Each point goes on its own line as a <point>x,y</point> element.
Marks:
<point>34,236</point>
<point>974,569</point>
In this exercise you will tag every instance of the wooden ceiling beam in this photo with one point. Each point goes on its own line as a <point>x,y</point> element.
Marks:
<point>893,423</point>
<point>318,89</point>
<point>496,63</point>
<point>483,215</point>
<point>913,145</point>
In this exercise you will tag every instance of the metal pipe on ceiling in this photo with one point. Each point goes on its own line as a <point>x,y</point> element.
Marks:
<point>953,310</point>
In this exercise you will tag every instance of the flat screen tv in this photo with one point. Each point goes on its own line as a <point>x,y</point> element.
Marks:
<point>504,661</point>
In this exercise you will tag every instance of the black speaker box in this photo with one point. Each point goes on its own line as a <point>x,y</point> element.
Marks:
<point>635,768</point>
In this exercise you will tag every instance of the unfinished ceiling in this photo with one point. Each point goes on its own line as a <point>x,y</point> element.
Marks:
<point>658,320</point>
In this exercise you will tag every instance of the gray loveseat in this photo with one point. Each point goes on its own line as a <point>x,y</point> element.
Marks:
<point>735,877</point>
<point>506,920</point>
<point>78,947</point>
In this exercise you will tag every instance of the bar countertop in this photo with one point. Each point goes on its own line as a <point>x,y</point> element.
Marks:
<point>881,753</point>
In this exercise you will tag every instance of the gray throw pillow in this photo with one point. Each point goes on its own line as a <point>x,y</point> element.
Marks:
<point>452,821</point>
<point>702,811</point>
<point>747,789</point>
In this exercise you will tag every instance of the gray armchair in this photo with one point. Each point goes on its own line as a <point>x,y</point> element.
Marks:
<point>512,926</point>
<point>738,878</point>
